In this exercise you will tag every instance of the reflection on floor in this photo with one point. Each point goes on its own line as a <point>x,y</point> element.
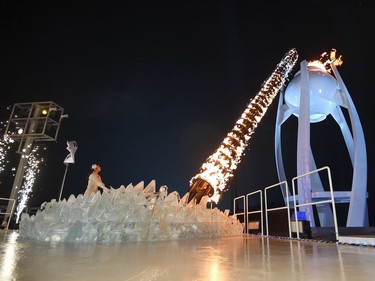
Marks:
<point>247,257</point>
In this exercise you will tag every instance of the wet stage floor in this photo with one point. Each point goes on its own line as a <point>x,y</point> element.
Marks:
<point>229,258</point>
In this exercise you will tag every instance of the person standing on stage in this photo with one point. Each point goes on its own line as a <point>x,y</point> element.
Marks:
<point>95,181</point>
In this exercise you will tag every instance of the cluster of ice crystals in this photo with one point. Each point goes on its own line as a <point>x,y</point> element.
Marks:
<point>133,213</point>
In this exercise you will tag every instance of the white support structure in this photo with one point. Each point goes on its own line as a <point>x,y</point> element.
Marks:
<point>313,101</point>
<point>358,213</point>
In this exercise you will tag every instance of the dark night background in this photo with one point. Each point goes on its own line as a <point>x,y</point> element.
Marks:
<point>153,87</point>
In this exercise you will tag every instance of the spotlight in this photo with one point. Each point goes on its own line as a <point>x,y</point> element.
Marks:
<point>48,109</point>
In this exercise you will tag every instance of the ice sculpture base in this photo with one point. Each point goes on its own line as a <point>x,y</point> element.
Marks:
<point>133,213</point>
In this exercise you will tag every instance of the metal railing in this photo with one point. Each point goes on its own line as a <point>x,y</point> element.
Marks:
<point>244,210</point>
<point>9,214</point>
<point>278,208</point>
<point>287,199</point>
<point>255,211</point>
<point>332,200</point>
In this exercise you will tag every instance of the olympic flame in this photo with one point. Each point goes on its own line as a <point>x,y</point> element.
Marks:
<point>325,60</point>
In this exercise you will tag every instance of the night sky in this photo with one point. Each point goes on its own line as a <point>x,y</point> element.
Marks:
<point>152,87</point>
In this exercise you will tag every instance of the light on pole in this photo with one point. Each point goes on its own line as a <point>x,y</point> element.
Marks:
<point>28,123</point>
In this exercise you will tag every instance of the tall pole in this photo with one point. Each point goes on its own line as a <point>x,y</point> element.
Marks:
<point>63,181</point>
<point>17,184</point>
<point>72,148</point>
<point>18,180</point>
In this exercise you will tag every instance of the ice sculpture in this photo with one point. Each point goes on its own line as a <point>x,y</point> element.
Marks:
<point>132,213</point>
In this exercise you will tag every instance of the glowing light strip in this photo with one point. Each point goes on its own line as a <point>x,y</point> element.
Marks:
<point>219,167</point>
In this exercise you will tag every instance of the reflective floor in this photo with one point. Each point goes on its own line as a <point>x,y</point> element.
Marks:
<point>229,258</point>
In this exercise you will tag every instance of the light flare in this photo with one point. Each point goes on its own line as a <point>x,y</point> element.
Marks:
<point>218,169</point>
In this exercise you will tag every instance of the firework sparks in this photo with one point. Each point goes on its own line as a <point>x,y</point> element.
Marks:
<point>31,171</point>
<point>219,167</point>
<point>5,146</point>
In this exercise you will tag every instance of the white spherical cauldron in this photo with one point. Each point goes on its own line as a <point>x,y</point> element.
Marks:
<point>323,87</point>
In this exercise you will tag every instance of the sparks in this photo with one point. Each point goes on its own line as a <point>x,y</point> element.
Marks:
<point>5,146</point>
<point>219,167</point>
<point>31,171</point>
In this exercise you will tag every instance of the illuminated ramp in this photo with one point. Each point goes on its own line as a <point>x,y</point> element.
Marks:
<point>215,173</point>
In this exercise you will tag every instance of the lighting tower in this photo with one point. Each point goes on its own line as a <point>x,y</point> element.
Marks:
<point>29,122</point>
<point>311,96</point>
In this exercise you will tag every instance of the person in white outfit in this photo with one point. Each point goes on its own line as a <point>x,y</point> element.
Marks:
<point>95,181</point>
